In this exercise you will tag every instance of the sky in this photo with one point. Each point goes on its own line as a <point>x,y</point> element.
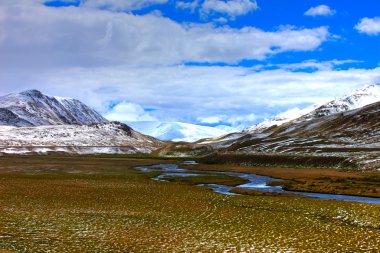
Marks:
<point>207,62</point>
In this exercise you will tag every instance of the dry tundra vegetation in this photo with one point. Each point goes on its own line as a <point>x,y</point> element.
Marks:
<point>100,204</point>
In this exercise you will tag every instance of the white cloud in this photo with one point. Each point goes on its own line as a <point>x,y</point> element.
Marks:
<point>121,5</point>
<point>62,1</point>
<point>370,26</point>
<point>316,65</point>
<point>126,111</point>
<point>232,8</point>
<point>189,5</point>
<point>320,10</point>
<point>34,35</point>
<point>212,119</point>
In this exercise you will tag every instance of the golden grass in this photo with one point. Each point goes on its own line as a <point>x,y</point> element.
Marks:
<point>101,205</point>
<point>209,179</point>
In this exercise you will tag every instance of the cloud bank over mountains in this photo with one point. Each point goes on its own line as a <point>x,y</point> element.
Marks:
<point>136,60</point>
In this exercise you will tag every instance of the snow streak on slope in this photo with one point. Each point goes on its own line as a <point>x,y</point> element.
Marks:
<point>176,131</point>
<point>32,108</point>
<point>99,138</point>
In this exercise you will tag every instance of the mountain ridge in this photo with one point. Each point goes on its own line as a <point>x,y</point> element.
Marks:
<point>359,98</point>
<point>34,123</point>
<point>33,108</point>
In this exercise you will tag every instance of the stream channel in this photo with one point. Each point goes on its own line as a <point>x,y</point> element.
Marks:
<point>256,182</point>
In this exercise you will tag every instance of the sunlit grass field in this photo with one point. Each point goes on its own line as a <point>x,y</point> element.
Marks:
<point>93,204</point>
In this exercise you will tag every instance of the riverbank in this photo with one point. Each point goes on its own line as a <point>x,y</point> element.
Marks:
<point>318,180</point>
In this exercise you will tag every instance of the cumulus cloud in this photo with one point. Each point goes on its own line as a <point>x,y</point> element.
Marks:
<point>212,119</point>
<point>370,26</point>
<point>126,111</point>
<point>187,5</point>
<point>232,8</point>
<point>101,56</point>
<point>35,35</point>
<point>320,10</point>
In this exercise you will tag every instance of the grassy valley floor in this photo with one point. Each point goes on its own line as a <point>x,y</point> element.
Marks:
<point>99,204</point>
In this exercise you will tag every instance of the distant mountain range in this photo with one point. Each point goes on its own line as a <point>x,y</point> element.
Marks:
<point>347,127</point>
<point>32,108</point>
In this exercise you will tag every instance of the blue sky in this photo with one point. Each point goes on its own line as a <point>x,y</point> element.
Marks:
<point>209,62</point>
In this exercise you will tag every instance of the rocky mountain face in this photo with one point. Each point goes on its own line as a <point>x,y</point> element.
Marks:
<point>32,108</point>
<point>31,122</point>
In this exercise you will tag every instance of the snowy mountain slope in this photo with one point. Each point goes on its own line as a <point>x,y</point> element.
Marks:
<point>32,108</point>
<point>176,131</point>
<point>359,98</point>
<point>98,138</point>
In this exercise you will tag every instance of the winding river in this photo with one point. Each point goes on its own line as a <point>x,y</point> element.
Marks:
<point>256,182</point>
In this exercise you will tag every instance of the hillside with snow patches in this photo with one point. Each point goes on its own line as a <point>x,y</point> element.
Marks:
<point>354,134</point>
<point>31,122</point>
<point>357,99</point>
<point>32,108</point>
<point>110,137</point>
<point>176,131</point>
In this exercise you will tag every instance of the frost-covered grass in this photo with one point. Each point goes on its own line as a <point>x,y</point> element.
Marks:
<point>100,205</point>
<point>208,178</point>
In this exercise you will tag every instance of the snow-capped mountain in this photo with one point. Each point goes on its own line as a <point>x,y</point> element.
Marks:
<point>110,137</point>
<point>176,131</point>
<point>31,122</point>
<point>359,98</point>
<point>32,108</point>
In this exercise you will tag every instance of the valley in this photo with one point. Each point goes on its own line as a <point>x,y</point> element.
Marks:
<point>100,203</point>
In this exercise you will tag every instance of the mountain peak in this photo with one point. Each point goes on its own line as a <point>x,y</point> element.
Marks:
<point>32,92</point>
<point>33,108</point>
<point>361,97</point>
